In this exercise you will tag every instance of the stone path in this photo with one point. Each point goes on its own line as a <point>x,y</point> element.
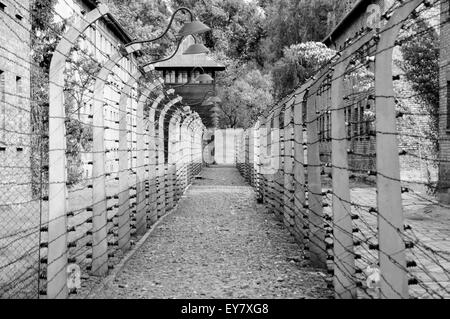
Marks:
<point>219,243</point>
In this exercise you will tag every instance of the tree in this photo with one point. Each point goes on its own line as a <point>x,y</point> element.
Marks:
<point>421,67</point>
<point>244,95</point>
<point>299,62</point>
<point>237,26</point>
<point>79,77</point>
<point>44,36</point>
<point>295,21</point>
<point>146,20</point>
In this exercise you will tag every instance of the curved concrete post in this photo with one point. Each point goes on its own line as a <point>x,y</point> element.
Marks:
<point>278,157</point>
<point>57,225</point>
<point>100,213</point>
<point>198,138</point>
<point>314,207</point>
<point>175,150</point>
<point>394,281</point>
<point>124,172</point>
<point>152,161</point>
<point>288,201</point>
<point>168,195</point>
<point>159,160</point>
<point>191,145</point>
<point>271,164</point>
<point>256,159</point>
<point>187,149</point>
<point>263,194</point>
<point>251,156</point>
<point>192,128</point>
<point>180,159</point>
<point>143,170</point>
<point>299,167</point>
<point>343,251</point>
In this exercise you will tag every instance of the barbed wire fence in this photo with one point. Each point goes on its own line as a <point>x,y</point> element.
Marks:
<point>105,152</point>
<point>331,159</point>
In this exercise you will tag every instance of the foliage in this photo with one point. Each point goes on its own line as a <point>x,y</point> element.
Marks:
<point>361,79</point>
<point>421,67</point>
<point>237,26</point>
<point>79,77</point>
<point>299,62</point>
<point>295,21</point>
<point>146,20</point>
<point>244,34</point>
<point>245,96</point>
<point>43,43</point>
<point>41,15</point>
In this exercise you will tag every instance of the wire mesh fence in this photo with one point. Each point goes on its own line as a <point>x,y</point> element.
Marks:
<point>347,161</point>
<point>91,156</point>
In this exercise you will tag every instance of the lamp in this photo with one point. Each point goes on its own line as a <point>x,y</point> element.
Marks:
<point>193,27</point>
<point>215,99</point>
<point>204,78</point>
<point>216,109</point>
<point>207,103</point>
<point>189,28</point>
<point>196,48</point>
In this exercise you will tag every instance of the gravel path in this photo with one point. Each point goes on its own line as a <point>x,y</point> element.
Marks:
<point>219,243</point>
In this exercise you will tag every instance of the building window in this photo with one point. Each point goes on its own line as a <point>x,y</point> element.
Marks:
<point>362,126</point>
<point>194,76</point>
<point>348,117</point>
<point>184,77</point>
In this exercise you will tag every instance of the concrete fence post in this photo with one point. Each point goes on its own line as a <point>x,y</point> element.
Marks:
<point>124,190</point>
<point>299,169</point>
<point>343,254</point>
<point>394,281</point>
<point>288,199</point>
<point>57,225</point>
<point>314,207</point>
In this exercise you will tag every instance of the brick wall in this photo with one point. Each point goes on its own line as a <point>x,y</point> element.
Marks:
<point>102,42</point>
<point>444,169</point>
<point>15,129</point>
<point>367,14</point>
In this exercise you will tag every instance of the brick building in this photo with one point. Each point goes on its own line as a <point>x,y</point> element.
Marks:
<point>102,42</point>
<point>360,106</point>
<point>359,15</point>
<point>15,167</point>
<point>444,121</point>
